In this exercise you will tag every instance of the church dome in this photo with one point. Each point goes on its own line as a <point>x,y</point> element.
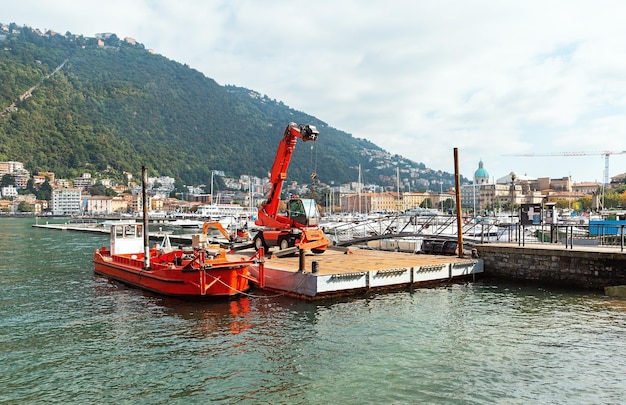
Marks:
<point>481,175</point>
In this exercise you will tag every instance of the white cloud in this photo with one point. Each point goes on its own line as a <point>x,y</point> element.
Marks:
<point>417,78</point>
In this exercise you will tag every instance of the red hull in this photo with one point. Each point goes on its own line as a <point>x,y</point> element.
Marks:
<point>177,273</point>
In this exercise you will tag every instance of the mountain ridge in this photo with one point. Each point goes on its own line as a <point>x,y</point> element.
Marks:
<point>115,106</point>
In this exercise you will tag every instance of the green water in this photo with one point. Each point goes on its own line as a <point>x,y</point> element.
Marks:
<point>67,336</point>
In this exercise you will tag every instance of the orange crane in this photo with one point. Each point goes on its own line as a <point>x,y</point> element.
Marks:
<point>299,228</point>
<point>605,153</point>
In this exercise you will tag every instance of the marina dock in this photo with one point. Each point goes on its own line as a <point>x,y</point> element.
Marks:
<point>184,239</point>
<point>336,272</point>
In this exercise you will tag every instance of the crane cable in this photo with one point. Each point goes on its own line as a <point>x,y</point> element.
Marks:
<point>313,164</point>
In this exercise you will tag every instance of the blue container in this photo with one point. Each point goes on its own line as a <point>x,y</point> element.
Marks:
<point>605,227</point>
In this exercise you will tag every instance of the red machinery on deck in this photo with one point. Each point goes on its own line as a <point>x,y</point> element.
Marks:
<point>299,228</point>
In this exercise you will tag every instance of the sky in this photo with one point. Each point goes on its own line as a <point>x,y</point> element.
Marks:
<point>495,79</point>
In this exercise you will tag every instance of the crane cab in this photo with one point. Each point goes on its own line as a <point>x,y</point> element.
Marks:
<point>303,211</point>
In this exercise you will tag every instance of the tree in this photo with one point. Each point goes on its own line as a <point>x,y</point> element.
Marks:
<point>112,40</point>
<point>611,199</point>
<point>562,203</point>
<point>45,191</point>
<point>448,204</point>
<point>101,189</point>
<point>8,180</point>
<point>23,206</point>
<point>30,186</point>
<point>586,202</point>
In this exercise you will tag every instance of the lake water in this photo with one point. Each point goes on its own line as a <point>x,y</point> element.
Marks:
<point>68,336</point>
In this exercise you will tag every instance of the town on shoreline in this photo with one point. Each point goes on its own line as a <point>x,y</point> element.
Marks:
<point>44,194</point>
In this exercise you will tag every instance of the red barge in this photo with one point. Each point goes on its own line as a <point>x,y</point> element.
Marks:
<point>202,270</point>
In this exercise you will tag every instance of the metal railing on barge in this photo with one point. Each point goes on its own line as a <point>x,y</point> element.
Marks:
<point>359,231</point>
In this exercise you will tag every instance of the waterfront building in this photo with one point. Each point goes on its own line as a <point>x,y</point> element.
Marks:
<point>364,203</point>
<point>66,201</point>
<point>563,184</point>
<point>586,187</point>
<point>412,200</point>
<point>618,180</point>
<point>105,205</point>
<point>85,181</point>
<point>481,176</point>
<point>512,189</point>
<point>61,183</point>
<point>119,204</point>
<point>157,203</point>
<point>471,193</point>
<point>10,167</point>
<point>99,205</point>
<point>15,169</point>
<point>9,191</point>
<point>50,175</point>
<point>136,203</point>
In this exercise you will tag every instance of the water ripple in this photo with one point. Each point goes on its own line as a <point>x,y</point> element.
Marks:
<point>67,336</point>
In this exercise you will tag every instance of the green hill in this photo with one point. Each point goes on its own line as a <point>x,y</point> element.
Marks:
<point>114,106</point>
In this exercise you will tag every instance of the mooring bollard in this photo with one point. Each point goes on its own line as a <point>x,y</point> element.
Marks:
<point>301,262</point>
<point>315,266</point>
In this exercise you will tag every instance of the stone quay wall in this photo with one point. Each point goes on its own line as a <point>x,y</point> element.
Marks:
<point>556,266</point>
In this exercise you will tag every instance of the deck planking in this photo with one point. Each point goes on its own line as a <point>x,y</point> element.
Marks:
<point>358,270</point>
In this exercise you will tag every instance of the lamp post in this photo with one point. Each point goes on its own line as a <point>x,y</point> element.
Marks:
<point>474,199</point>
<point>513,177</point>
<point>441,195</point>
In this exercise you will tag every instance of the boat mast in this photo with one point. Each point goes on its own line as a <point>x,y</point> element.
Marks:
<point>144,203</point>
<point>359,189</point>
<point>457,186</point>
<point>398,187</point>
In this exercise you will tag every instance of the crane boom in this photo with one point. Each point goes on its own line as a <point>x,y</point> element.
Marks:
<point>605,153</point>
<point>269,210</point>
<point>299,227</point>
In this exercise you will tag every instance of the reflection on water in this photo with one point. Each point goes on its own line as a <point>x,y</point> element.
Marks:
<point>212,318</point>
<point>69,336</point>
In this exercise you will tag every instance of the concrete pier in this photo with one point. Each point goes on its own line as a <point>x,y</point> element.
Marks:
<point>581,267</point>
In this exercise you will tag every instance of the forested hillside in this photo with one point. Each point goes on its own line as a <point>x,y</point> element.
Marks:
<point>114,106</point>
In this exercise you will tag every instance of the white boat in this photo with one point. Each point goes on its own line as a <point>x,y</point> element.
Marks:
<point>216,211</point>
<point>187,223</point>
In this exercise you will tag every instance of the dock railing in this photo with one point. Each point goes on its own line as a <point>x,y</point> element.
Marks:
<point>475,231</point>
<point>567,235</point>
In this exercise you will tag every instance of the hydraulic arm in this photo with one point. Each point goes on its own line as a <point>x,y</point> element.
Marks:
<point>268,214</point>
<point>299,227</point>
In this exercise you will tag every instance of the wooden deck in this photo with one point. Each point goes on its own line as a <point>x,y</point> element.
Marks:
<point>355,260</point>
<point>338,273</point>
